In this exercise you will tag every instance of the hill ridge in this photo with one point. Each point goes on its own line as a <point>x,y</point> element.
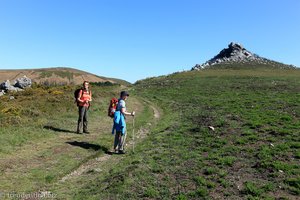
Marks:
<point>237,54</point>
<point>56,75</point>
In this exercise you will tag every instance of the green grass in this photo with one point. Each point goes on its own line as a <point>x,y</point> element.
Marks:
<point>38,137</point>
<point>253,153</point>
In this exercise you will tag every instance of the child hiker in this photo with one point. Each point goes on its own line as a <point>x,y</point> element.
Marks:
<point>120,123</point>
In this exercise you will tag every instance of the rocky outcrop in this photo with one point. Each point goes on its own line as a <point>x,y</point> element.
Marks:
<point>19,85</point>
<point>235,53</point>
<point>23,82</point>
<point>6,86</point>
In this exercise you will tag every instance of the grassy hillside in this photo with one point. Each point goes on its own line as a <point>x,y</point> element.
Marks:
<point>38,143</point>
<point>252,153</point>
<point>254,150</point>
<point>57,76</point>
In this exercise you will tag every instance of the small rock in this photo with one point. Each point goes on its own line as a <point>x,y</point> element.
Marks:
<point>280,171</point>
<point>11,97</point>
<point>98,170</point>
<point>211,128</point>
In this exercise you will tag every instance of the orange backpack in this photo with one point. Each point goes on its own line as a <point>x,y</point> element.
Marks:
<point>112,107</point>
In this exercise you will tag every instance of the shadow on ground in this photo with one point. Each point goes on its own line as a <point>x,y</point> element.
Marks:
<point>58,129</point>
<point>86,145</point>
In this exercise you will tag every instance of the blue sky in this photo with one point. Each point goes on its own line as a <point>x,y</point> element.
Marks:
<point>135,39</point>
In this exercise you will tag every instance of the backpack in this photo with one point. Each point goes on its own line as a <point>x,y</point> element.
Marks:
<point>76,94</point>
<point>112,107</point>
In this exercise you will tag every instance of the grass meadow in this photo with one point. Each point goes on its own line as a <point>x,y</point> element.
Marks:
<point>222,134</point>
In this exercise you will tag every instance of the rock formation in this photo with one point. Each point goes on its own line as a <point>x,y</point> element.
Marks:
<point>236,53</point>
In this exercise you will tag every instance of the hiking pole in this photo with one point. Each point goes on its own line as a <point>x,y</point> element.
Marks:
<point>133,134</point>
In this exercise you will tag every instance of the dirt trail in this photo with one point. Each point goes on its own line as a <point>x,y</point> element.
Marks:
<point>91,164</point>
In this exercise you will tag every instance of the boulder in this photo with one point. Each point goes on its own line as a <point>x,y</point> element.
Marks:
<point>234,45</point>
<point>5,85</point>
<point>23,82</point>
<point>14,89</point>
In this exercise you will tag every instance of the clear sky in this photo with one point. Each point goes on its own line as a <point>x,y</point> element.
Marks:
<point>135,39</point>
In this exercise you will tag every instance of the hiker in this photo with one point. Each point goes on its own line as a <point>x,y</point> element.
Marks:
<point>120,123</point>
<point>84,98</point>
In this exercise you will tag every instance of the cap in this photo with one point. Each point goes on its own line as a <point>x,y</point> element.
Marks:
<point>124,93</point>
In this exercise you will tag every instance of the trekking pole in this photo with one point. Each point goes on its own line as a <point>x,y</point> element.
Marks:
<point>133,134</point>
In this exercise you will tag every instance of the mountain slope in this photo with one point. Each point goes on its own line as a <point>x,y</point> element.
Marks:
<point>59,75</point>
<point>225,134</point>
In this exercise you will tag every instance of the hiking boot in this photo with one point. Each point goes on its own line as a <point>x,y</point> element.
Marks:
<point>86,132</point>
<point>121,152</point>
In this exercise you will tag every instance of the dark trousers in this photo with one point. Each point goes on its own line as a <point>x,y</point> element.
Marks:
<point>83,118</point>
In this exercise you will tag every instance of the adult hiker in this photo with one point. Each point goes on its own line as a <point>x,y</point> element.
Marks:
<point>120,123</point>
<point>84,98</point>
